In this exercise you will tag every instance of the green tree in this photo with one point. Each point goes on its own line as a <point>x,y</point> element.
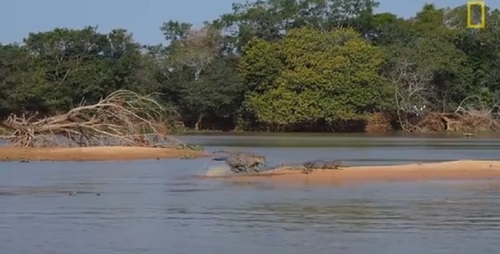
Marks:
<point>22,84</point>
<point>271,19</point>
<point>216,95</point>
<point>72,65</point>
<point>199,79</point>
<point>84,65</point>
<point>325,77</point>
<point>129,68</point>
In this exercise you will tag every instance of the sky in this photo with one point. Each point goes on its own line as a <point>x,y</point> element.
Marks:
<point>143,18</point>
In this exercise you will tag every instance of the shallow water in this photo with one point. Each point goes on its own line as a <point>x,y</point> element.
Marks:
<point>158,206</point>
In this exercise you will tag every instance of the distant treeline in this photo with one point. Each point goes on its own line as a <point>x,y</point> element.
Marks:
<point>277,65</point>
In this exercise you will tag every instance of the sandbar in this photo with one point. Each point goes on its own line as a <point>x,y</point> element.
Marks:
<point>450,170</point>
<point>97,153</point>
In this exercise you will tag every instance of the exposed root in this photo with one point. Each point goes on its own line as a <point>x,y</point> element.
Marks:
<point>378,123</point>
<point>123,118</point>
<point>472,115</point>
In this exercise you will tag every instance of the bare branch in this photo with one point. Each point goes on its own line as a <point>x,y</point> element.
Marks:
<point>198,49</point>
<point>123,117</point>
<point>411,89</point>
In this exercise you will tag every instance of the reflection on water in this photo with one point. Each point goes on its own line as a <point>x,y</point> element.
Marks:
<point>157,206</point>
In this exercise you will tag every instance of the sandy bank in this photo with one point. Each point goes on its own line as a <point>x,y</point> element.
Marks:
<point>454,170</point>
<point>102,153</point>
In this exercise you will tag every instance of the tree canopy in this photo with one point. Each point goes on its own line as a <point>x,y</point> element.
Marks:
<point>302,65</point>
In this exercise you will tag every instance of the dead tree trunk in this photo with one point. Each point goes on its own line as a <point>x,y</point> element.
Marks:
<point>123,118</point>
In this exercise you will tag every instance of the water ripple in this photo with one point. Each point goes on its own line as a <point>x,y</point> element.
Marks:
<point>161,207</point>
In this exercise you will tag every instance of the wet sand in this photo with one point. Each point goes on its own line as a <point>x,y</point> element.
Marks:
<point>102,153</point>
<point>453,170</point>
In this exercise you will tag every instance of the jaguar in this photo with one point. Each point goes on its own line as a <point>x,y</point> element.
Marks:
<point>243,162</point>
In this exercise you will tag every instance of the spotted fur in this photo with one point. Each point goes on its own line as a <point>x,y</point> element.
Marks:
<point>243,162</point>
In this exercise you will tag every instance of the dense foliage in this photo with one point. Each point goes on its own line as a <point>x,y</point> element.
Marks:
<point>301,65</point>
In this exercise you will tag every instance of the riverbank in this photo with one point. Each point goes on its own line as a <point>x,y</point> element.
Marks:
<point>452,170</point>
<point>100,153</point>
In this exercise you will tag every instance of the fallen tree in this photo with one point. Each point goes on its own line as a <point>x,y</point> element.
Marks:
<point>123,118</point>
<point>472,115</point>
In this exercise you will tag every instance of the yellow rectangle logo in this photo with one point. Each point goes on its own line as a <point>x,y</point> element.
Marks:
<point>476,14</point>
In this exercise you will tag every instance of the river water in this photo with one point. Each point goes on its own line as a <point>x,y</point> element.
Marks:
<point>157,206</point>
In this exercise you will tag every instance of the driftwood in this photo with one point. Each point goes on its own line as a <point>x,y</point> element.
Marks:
<point>123,118</point>
<point>472,115</point>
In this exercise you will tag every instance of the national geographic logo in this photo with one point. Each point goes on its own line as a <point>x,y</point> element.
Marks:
<point>476,14</point>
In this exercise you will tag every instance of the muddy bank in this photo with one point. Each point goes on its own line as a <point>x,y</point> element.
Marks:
<point>453,170</point>
<point>102,153</point>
